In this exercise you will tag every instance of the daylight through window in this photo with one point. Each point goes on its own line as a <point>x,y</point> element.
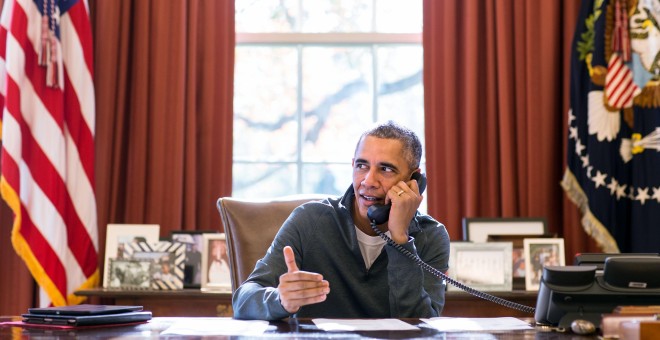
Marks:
<point>309,77</point>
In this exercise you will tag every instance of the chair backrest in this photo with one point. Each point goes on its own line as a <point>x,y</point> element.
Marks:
<point>251,226</point>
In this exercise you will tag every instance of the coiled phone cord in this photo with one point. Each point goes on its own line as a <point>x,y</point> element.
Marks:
<point>441,275</point>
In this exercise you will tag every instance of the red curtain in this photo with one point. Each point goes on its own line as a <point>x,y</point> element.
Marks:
<point>165,111</point>
<point>496,101</point>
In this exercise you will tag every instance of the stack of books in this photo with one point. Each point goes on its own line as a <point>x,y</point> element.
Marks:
<point>632,322</point>
<point>86,315</point>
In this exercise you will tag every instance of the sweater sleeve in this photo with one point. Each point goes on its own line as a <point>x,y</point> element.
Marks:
<point>413,291</point>
<point>258,298</point>
<point>252,301</point>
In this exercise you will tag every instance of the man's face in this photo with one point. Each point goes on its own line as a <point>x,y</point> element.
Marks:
<point>378,165</point>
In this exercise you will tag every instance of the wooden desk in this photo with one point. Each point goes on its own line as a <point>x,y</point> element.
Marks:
<point>193,302</point>
<point>186,302</point>
<point>299,328</point>
<point>461,304</point>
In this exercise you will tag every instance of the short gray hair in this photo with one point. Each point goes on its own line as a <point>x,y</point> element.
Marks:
<point>412,147</point>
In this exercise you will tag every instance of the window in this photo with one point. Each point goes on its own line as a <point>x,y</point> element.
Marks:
<point>310,76</point>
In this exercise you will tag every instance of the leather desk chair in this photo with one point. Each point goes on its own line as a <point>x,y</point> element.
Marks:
<point>251,226</point>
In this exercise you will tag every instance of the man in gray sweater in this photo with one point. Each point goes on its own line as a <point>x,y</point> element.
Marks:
<point>327,261</point>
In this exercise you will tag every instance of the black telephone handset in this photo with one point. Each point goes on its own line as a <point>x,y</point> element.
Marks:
<point>380,213</point>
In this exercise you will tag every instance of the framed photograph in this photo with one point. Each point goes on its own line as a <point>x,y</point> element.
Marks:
<point>192,269</point>
<point>541,252</point>
<point>129,274</point>
<point>167,262</point>
<point>482,266</point>
<point>118,235</point>
<point>478,229</point>
<point>216,273</point>
<point>517,256</point>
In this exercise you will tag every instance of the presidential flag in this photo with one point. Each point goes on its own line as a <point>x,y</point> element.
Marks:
<point>613,172</point>
<point>47,160</point>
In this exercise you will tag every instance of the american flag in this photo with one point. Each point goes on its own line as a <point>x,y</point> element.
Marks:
<point>47,162</point>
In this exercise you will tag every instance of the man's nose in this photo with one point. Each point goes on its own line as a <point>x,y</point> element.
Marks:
<point>370,179</point>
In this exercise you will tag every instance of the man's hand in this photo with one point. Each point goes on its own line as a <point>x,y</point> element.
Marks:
<point>298,288</point>
<point>405,199</point>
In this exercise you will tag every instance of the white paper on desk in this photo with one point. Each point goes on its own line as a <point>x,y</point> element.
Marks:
<point>216,326</point>
<point>330,325</point>
<point>446,324</point>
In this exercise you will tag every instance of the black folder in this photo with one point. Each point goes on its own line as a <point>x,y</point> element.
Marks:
<point>87,320</point>
<point>84,309</point>
<point>86,315</point>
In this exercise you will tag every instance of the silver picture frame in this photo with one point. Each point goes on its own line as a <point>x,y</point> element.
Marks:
<point>482,266</point>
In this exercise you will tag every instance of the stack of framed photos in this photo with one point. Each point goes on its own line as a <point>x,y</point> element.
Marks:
<point>122,271</point>
<point>512,251</point>
<point>136,259</point>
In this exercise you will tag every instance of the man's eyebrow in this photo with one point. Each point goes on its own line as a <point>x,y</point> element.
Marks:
<point>388,165</point>
<point>361,161</point>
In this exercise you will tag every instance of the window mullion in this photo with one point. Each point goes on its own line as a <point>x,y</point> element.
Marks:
<point>301,120</point>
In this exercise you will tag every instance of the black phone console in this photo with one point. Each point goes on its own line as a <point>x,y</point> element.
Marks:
<point>569,293</point>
